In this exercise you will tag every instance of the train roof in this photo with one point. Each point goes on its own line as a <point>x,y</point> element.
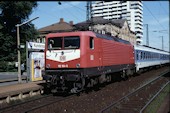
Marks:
<point>108,37</point>
<point>151,49</point>
<point>91,33</point>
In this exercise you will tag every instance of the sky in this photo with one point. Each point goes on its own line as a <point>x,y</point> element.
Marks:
<point>155,14</point>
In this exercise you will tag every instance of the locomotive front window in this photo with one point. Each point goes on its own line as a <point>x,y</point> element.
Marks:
<point>55,43</point>
<point>72,42</point>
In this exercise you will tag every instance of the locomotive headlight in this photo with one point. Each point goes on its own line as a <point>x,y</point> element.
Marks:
<point>48,66</point>
<point>77,65</point>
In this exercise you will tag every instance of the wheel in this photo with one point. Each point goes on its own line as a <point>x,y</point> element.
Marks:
<point>78,86</point>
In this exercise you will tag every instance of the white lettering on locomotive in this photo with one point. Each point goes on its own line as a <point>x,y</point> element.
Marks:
<point>63,66</point>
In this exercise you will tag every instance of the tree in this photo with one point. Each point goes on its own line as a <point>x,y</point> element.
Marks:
<point>11,14</point>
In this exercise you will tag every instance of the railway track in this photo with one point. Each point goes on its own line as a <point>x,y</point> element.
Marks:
<point>137,100</point>
<point>128,107</point>
<point>30,105</point>
<point>91,102</point>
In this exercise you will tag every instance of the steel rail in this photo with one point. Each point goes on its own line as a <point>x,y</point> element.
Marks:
<point>21,103</point>
<point>154,97</point>
<point>41,106</point>
<point>139,88</point>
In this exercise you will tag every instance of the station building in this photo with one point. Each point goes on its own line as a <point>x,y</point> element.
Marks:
<point>116,27</point>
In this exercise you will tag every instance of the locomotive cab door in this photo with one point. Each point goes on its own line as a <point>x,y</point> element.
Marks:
<point>100,57</point>
<point>95,52</point>
<point>99,53</point>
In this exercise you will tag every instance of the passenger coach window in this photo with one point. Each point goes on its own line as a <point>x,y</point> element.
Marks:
<point>137,55</point>
<point>141,55</point>
<point>91,43</point>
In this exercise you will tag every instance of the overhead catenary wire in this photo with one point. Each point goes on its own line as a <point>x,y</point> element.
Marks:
<point>157,20</point>
<point>53,15</point>
<point>76,6</point>
<point>82,8</point>
<point>79,7</point>
<point>75,16</point>
<point>163,8</point>
<point>153,16</point>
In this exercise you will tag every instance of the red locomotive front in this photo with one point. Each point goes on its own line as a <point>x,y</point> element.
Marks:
<point>62,52</point>
<point>73,58</point>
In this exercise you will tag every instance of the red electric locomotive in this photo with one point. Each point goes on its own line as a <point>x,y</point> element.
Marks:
<point>75,60</point>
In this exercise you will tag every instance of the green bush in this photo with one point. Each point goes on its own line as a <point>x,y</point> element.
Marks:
<point>7,67</point>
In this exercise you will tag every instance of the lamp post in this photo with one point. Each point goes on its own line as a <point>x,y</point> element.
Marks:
<point>18,47</point>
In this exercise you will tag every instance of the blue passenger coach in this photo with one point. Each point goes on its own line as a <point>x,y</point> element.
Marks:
<point>147,56</point>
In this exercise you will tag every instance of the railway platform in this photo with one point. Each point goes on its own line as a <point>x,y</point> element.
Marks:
<point>16,91</point>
